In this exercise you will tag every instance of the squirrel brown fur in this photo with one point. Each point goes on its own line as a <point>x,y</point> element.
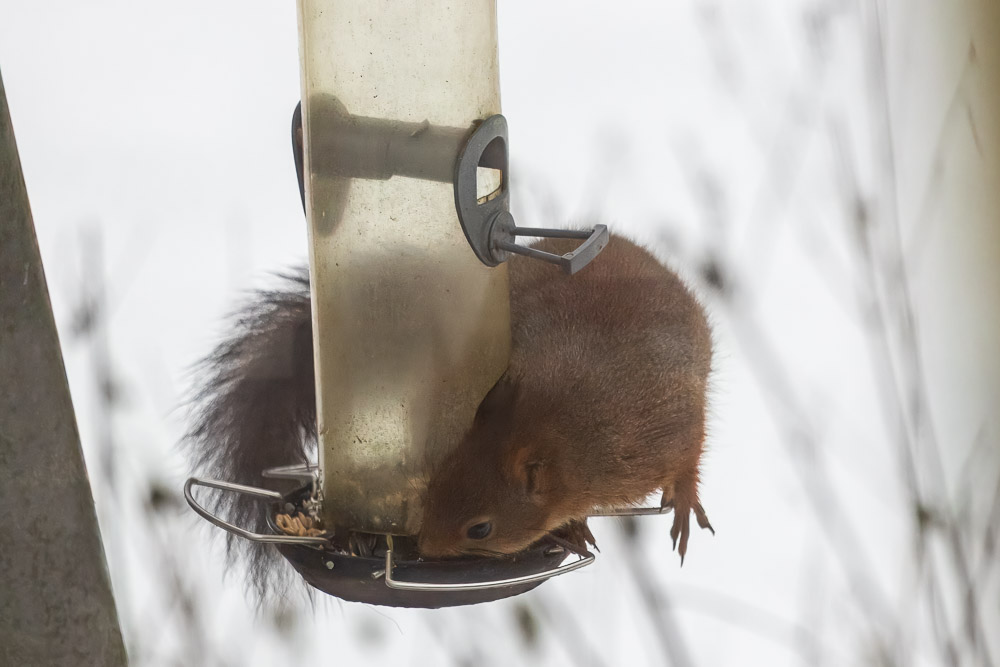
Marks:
<point>602,404</point>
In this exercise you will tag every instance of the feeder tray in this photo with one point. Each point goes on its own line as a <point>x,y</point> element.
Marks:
<point>383,577</point>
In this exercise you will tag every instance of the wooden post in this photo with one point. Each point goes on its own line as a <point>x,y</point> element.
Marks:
<point>56,606</point>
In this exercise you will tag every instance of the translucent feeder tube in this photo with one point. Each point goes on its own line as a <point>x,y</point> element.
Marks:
<point>411,330</point>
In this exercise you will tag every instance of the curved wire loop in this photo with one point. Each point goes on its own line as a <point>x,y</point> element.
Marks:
<point>266,494</point>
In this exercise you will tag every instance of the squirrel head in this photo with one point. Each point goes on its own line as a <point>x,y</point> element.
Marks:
<point>494,493</point>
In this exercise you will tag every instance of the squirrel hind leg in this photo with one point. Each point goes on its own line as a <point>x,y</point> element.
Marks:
<point>683,498</point>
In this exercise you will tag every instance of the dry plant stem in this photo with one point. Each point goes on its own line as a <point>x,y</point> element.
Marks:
<point>909,439</point>
<point>184,600</point>
<point>660,611</point>
<point>92,329</point>
<point>564,624</point>
<point>857,212</point>
<point>990,538</point>
<point>798,435</point>
<point>936,607</point>
<point>918,421</point>
<point>797,637</point>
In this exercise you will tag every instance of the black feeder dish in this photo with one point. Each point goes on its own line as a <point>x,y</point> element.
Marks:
<point>377,575</point>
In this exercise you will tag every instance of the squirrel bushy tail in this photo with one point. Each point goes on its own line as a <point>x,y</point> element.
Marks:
<point>255,408</point>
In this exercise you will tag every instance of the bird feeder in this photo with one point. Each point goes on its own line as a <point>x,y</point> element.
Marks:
<point>405,181</point>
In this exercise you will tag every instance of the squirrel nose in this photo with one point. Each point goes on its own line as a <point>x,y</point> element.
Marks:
<point>427,545</point>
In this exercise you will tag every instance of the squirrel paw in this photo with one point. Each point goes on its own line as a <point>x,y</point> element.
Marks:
<point>682,526</point>
<point>577,533</point>
<point>682,521</point>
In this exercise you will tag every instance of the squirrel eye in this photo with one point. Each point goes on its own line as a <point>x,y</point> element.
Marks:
<point>480,531</point>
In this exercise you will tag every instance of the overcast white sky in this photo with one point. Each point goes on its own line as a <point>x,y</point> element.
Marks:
<point>702,128</point>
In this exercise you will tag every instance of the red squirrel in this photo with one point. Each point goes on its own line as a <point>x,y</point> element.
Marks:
<point>602,404</point>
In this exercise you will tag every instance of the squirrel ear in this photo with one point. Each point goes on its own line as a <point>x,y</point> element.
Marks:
<point>530,474</point>
<point>498,404</point>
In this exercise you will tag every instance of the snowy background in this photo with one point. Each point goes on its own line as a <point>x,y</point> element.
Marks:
<point>823,215</point>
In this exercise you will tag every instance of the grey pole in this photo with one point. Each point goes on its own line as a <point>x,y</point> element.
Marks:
<point>56,606</point>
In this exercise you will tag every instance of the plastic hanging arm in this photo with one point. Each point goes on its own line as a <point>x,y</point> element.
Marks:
<point>487,222</point>
<point>586,558</point>
<point>553,233</point>
<point>236,530</point>
<point>572,261</point>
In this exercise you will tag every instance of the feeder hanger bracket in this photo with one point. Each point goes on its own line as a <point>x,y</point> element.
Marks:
<point>487,221</point>
<point>352,146</point>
